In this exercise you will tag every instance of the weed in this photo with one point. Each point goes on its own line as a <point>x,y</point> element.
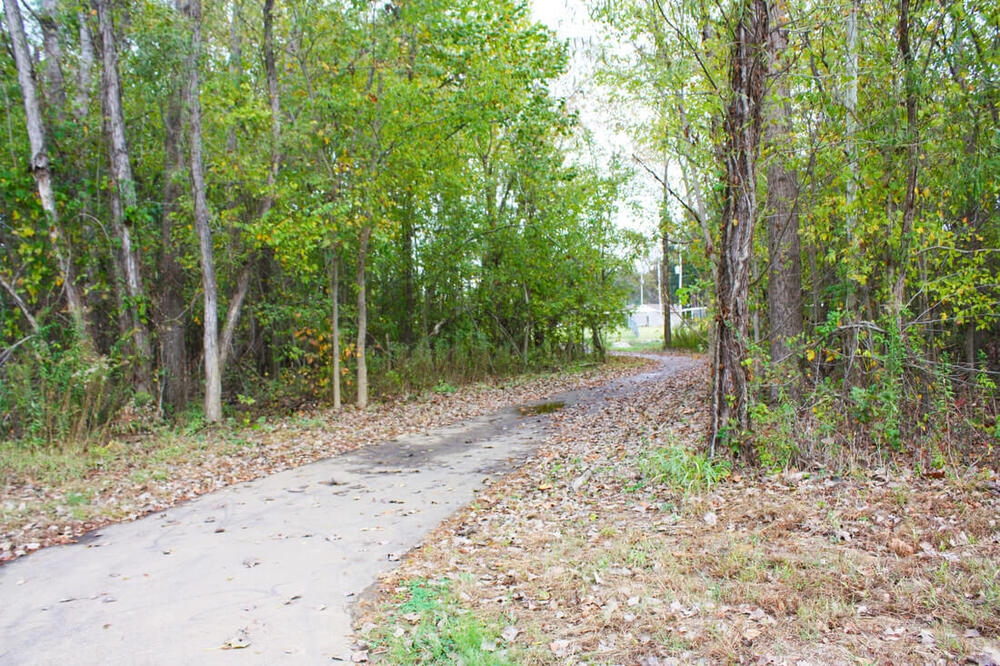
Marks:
<point>429,627</point>
<point>681,467</point>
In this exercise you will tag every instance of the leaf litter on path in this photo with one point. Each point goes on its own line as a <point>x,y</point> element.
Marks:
<point>140,480</point>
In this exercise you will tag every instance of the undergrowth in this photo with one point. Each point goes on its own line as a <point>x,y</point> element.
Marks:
<point>428,626</point>
<point>682,468</point>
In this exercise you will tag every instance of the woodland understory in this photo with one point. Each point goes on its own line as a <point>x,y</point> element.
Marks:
<point>221,224</point>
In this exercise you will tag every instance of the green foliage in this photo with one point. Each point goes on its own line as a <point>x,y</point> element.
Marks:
<point>682,468</point>
<point>438,631</point>
<point>57,396</point>
<point>692,336</point>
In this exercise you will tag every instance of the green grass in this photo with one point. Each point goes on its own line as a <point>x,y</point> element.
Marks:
<point>682,468</point>
<point>429,627</point>
<point>691,336</point>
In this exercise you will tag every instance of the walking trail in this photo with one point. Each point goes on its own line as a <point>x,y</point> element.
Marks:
<point>265,571</point>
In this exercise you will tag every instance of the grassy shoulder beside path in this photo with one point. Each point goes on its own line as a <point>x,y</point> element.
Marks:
<point>620,544</point>
<point>51,497</point>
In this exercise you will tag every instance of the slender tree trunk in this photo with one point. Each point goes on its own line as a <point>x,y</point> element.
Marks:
<point>666,300</point>
<point>362,318</point>
<point>784,280</point>
<point>233,315</point>
<point>213,379</point>
<point>335,323</point>
<point>173,349</point>
<point>409,300</point>
<point>123,197</point>
<point>743,121</point>
<point>897,267</point>
<point>39,166</point>
<point>275,104</point>
<point>665,256</point>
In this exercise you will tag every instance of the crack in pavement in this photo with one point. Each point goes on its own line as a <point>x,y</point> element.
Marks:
<point>264,571</point>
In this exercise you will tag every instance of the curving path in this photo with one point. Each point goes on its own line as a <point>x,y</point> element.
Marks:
<point>265,571</point>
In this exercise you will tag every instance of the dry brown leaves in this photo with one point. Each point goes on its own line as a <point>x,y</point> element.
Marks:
<point>588,565</point>
<point>144,475</point>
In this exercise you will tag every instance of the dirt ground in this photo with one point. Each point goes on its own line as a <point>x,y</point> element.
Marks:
<point>578,558</point>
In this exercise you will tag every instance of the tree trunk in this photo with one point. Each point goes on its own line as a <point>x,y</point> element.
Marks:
<point>173,350</point>
<point>85,68</point>
<point>275,104</point>
<point>213,379</point>
<point>233,315</point>
<point>123,197</point>
<point>743,121</point>
<point>665,299</point>
<point>897,265</point>
<point>55,86</point>
<point>335,323</point>
<point>784,280</point>
<point>665,257</point>
<point>39,166</point>
<point>409,299</point>
<point>362,318</point>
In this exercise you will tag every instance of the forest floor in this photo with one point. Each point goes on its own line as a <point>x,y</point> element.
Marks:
<point>578,558</point>
<point>54,497</point>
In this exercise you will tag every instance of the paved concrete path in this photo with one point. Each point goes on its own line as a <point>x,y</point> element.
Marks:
<point>268,567</point>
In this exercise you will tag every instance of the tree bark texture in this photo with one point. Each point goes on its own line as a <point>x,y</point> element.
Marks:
<point>55,86</point>
<point>85,68</point>
<point>213,377</point>
<point>784,280</point>
<point>335,324</point>
<point>366,235</point>
<point>898,262</point>
<point>743,122</point>
<point>40,169</point>
<point>123,197</point>
<point>271,72</point>
<point>665,257</point>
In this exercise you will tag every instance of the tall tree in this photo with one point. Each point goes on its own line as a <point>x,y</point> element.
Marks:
<point>124,203</point>
<point>210,332</point>
<point>40,168</point>
<point>740,152</point>
<point>784,279</point>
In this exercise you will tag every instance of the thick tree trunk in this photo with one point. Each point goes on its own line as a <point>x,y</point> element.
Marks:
<point>39,166</point>
<point>784,280</point>
<point>85,69</point>
<point>743,121</point>
<point>362,318</point>
<point>213,377</point>
<point>123,197</point>
<point>335,324</point>
<point>173,350</point>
